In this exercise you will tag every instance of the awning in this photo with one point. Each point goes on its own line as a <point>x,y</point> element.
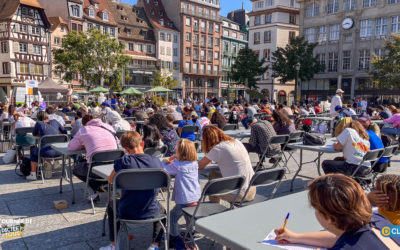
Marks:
<point>148,58</point>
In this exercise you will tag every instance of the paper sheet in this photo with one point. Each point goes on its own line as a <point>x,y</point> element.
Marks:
<point>270,240</point>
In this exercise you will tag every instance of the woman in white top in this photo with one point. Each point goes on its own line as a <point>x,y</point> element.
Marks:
<point>117,122</point>
<point>231,157</point>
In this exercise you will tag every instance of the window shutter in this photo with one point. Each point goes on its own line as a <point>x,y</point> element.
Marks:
<point>31,69</point>
<point>16,47</point>
<point>45,70</point>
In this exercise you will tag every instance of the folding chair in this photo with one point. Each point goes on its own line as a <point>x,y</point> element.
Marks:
<point>203,209</point>
<point>293,137</point>
<point>371,156</point>
<point>191,129</point>
<point>130,119</point>
<point>120,133</point>
<point>21,146</point>
<point>100,158</point>
<point>141,180</point>
<point>227,127</point>
<point>263,178</point>
<point>49,139</point>
<point>5,133</point>
<point>281,140</point>
<point>388,153</point>
<point>157,152</point>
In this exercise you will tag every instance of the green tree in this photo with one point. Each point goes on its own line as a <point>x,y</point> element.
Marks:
<point>297,52</point>
<point>247,68</point>
<point>96,57</point>
<point>164,79</point>
<point>385,70</point>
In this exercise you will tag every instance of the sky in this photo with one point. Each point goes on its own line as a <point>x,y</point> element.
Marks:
<point>226,5</point>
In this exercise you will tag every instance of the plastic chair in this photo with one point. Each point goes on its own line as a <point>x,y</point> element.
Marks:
<point>281,140</point>
<point>97,159</point>
<point>49,139</point>
<point>263,178</point>
<point>190,129</point>
<point>227,127</point>
<point>120,133</point>
<point>141,180</point>
<point>157,152</point>
<point>371,156</point>
<point>203,209</point>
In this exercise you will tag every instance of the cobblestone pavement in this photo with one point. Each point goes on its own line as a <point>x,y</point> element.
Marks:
<point>76,227</point>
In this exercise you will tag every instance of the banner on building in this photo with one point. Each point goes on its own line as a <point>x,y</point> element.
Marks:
<point>30,85</point>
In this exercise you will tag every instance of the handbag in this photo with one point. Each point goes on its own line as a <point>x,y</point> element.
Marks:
<point>314,139</point>
<point>9,156</point>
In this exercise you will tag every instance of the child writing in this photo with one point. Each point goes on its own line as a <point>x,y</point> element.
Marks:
<point>187,189</point>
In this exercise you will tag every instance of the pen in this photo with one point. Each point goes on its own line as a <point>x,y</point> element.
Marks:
<point>284,225</point>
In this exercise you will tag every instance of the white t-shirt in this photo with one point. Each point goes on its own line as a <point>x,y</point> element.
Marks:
<point>232,159</point>
<point>364,105</point>
<point>336,101</point>
<point>354,147</point>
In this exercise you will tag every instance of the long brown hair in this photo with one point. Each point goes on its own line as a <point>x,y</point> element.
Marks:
<point>213,136</point>
<point>356,125</point>
<point>340,199</point>
<point>390,185</point>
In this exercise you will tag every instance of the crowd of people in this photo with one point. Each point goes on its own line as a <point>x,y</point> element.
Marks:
<point>342,207</point>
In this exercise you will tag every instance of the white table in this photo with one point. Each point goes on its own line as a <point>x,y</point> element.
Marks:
<point>327,148</point>
<point>238,133</point>
<point>245,227</point>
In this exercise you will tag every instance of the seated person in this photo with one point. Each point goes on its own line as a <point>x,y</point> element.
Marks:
<point>135,205</point>
<point>170,119</point>
<point>186,122</point>
<point>383,113</point>
<point>282,124</point>
<point>52,116</point>
<point>395,121</point>
<point>354,142</point>
<point>77,122</point>
<point>151,137</point>
<point>219,119</point>
<point>44,126</point>
<point>342,208</point>
<point>117,122</point>
<point>365,120</point>
<point>128,110</point>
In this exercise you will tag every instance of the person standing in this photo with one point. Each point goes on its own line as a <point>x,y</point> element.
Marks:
<point>336,101</point>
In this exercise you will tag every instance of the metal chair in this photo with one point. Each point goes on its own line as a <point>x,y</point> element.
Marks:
<point>263,178</point>
<point>71,114</point>
<point>67,122</point>
<point>48,139</point>
<point>130,119</point>
<point>293,137</point>
<point>366,178</point>
<point>20,147</point>
<point>281,140</point>
<point>141,180</point>
<point>157,152</point>
<point>227,127</point>
<point>97,159</point>
<point>5,133</point>
<point>388,153</point>
<point>203,209</point>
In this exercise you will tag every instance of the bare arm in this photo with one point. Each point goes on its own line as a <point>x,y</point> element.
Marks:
<point>320,239</point>
<point>337,146</point>
<point>111,177</point>
<point>204,162</point>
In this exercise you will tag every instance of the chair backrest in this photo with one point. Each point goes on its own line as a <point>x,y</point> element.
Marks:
<point>71,114</point>
<point>389,151</point>
<point>373,155</point>
<point>222,186</point>
<point>279,139</point>
<point>197,145</point>
<point>227,127</point>
<point>141,179</point>
<point>190,129</point>
<point>48,139</point>
<point>24,130</point>
<point>130,119</point>
<point>295,136</point>
<point>68,121</point>
<point>106,156</point>
<point>157,152</point>
<point>265,177</point>
<point>68,128</point>
<point>120,133</point>
<point>176,121</point>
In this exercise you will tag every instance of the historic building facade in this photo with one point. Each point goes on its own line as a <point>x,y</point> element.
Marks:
<point>59,28</point>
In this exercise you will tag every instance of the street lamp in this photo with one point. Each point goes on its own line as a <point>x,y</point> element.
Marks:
<point>297,82</point>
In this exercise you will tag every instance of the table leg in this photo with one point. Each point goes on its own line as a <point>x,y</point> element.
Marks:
<point>298,170</point>
<point>62,173</point>
<point>105,214</point>
<point>70,178</point>
<point>319,163</point>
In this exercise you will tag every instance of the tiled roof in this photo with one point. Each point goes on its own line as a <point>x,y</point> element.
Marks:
<point>157,15</point>
<point>56,21</point>
<point>33,3</point>
<point>9,7</point>
<point>102,6</point>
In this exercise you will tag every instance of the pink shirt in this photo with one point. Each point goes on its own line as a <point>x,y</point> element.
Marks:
<point>94,138</point>
<point>395,120</point>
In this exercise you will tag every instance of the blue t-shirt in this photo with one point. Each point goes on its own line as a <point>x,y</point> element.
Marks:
<point>114,103</point>
<point>376,143</point>
<point>52,128</point>
<point>138,205</point>
<point>189,136</point>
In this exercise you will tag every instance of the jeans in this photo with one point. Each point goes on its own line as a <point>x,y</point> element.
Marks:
<point>342,167</point>
<point>390,131</point>
<point>252,149</point>
<point>175,214</point>
<point>244,123</point>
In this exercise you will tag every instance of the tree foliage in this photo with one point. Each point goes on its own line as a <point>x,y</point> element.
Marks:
<point>248,68</point>
<point>297,51</point>
<point>164,79</point>
<point>385,70</point>
<point>96,57</point>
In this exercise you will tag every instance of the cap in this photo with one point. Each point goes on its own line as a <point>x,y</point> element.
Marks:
<point>150,110</point>
<point>364,117</point>
<point>339,91</point>
<point>105,104</point>
<point>338,107</point>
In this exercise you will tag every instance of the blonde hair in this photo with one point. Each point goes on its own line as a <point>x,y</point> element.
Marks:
<point>186,150</point>
<point>213,136</point>
<point>390,185</point>
<point>356,125</point>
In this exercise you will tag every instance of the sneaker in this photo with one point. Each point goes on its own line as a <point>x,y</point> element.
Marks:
<point>109,247</point>
<point>47,170</point>
<point>31,177</point>
<point>92,195</point>
<point>153,247</point>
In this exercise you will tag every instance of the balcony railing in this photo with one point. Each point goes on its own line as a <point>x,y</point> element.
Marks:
<point>199,14</point>
<point>196,42</point>
<point>203,58</point>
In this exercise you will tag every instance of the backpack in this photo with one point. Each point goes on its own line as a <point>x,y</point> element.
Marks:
<point>24,167</point>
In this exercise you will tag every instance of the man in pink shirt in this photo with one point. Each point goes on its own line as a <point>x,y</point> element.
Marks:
<point>395,121</point>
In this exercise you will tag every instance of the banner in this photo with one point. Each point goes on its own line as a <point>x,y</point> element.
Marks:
<point>29,85</point>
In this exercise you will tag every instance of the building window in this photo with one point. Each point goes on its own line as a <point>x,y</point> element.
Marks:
<point>217,42</point>
<point>23,68</point>
<point>393,1</point>
<point>312,10</point>
<point>322,33</point>
<point>37,69</point>
<point>348,37</point>
<point>4,47</point>
<point>210,42</point>
<point>105,30</point>
<point>188,36</point>
<point>363,62</point>
<point>381,26</point>
<point>292,3</point>
<point>91,12</point>
<point>268,18</point>
<point>333,6</point>
<point>269,2</point>
<point>169,37</point>
<point>162,50</point>
<point>162,36</point>
<point>168,51</point>
<point>217,28</point>
<point>366,28</point>
<point>131,47</point>
<point>175,38</point>
<point>74,26</point>
<point>349,4</point>
<point>379,53</point>
<point>310,35</point>
<point>257,20</point>
<point>188,21</point>
<point>175,52</point>
<point>333,62</point>
<point>23,28</point>
<point>23,47</point>
<point>257,38</point>
<point>36,30</point>
<point>267,55</point>
<point>187,51</point>
<point>321,60</point>
<point>346,59</point>
<point>105,16</point>
<point>149,49</point>
<point>203,26</point>
<point>6,68</point>
<point>260,4</point>
<point>112,32</point>
<point>75,11</point>
<point>267,36</point>
<point>292,19</point>
<point>216,55</point>
<point>292,35</point>
<point>334,33</point>
<point>234,35</point>
<point>369,3</point>
<point>395,24</point>
<point>37,49</point>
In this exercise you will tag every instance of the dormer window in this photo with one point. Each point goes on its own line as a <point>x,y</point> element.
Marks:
<point>105,16</point>
<point>75,11</point>
<point>162,22</point>
<point>96,6</point>
<point>119,7</point>
<point>91,13</point>
<point>156,2</point>
<point>152,12</point>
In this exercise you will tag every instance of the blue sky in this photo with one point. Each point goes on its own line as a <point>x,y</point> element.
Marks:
<point>226,5</point>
